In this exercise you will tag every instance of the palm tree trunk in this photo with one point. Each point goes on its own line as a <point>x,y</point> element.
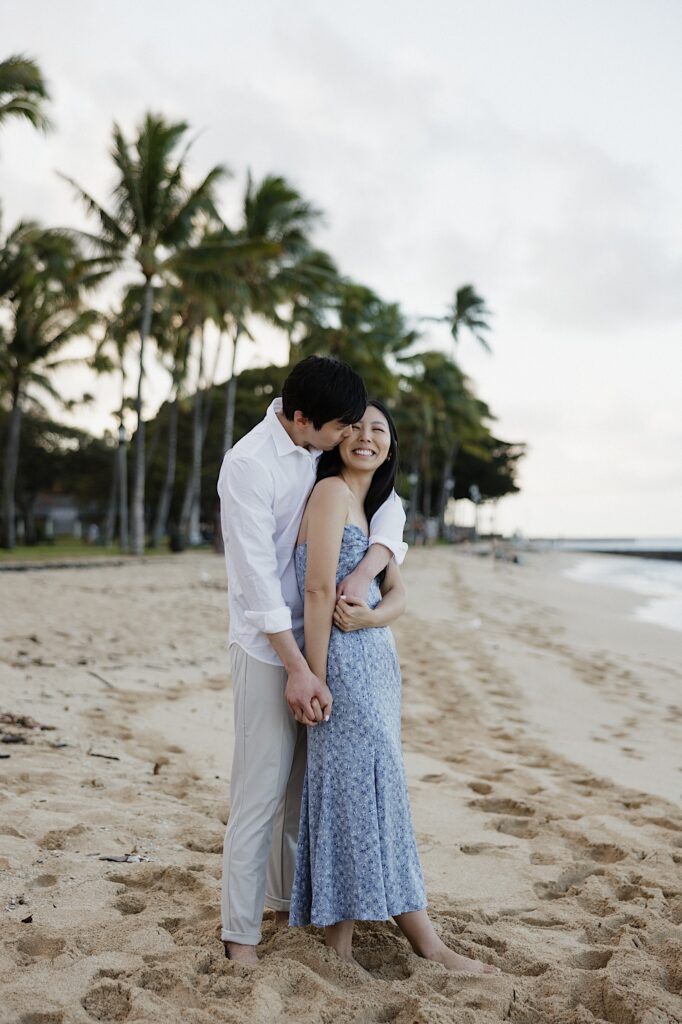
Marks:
<point>228,437</point>
<point>230,397</point>
<point>110,521</point>
<point>9,475</point>
<point>445,488</point>
<point>195,515</point>
<point>137,545</point>
<point>163,506</point>
<point>426,476</point>
<point>122,488</point>
<point>191,488</point>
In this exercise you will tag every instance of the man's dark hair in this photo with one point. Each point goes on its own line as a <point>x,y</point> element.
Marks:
<point>324,389</point>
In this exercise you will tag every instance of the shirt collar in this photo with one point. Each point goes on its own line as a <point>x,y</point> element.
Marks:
<point>283,443</point>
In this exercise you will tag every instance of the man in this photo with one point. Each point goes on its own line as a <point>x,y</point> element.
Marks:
<point>265,481</point>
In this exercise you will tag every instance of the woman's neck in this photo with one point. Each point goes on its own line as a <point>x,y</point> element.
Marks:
<point>359,483</point>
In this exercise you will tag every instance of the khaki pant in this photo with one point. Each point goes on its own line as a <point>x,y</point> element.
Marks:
<point>268,766</point>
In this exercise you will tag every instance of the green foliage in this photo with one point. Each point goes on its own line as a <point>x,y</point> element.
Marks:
<point>363,330</point>
<point>193,268</point>
<point>23,91</point>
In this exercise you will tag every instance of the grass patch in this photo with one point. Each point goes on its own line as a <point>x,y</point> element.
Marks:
<point>65,548</point>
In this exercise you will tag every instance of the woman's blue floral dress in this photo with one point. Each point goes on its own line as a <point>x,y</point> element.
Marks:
<point>357,856</point>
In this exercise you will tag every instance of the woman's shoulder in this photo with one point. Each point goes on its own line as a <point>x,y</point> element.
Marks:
<point>331,489</point>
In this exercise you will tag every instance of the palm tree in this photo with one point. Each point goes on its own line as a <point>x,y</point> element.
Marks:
<point>468,310</point>
<point>111,355</point>
<point>439,416</point>
<point>370,334</point>
<point>275,215</point>
<point>42,276</point>
<point>154,221</point>
<point>172,328</point>
<point>312,286</point>
<point>23,91</point>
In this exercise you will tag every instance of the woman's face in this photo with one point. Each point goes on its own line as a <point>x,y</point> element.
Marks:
<point>369,444</point>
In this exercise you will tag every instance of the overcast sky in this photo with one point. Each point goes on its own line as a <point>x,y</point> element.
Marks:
<point>530,147</point>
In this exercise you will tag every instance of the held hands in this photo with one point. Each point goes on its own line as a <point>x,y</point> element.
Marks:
<point>309,699</point>
<point>351,613</point>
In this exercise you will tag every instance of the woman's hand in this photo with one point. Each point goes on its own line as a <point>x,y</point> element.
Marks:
<point>351,613</point>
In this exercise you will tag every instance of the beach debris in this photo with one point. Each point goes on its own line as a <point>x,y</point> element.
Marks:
<point>23,659</point>
<point>101,679</point>
<point>25,721</point>
<point>108,757</point>
<point>27,920</point>
<point>124,858</point>
<point>4,756</point>
<point>10,737</point>
<point>16,901</point>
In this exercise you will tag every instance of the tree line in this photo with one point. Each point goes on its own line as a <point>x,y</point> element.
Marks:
<point>181,267</point>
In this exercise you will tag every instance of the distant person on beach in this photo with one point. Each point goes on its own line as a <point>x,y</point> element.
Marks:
<point>264,483</point>
<point>357,856</point>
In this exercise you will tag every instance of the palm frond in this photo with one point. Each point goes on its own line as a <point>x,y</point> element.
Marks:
<point>112,232</point>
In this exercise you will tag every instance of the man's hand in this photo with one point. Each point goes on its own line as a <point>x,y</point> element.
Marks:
<point>355,586</point>
<point>309,699</point>
<point>350,614</point>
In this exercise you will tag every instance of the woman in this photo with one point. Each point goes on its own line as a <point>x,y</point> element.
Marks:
<point>357,857</point>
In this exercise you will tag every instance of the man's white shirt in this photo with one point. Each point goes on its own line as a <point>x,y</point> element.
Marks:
<point>264,483</point>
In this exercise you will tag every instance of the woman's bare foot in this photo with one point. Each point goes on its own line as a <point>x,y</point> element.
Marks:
<point>339,937</point>
<point>418,929</point>
<point>241,953</point>
<point>347,955</point>
<point>442,954</point>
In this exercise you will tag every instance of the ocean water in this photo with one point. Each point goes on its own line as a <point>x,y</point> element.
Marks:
<point>658,582</point>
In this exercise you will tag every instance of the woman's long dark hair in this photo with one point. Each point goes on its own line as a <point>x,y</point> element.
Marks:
<point>383,481</point>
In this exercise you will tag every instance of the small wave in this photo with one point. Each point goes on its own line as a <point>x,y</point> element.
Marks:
<point>660,582</point>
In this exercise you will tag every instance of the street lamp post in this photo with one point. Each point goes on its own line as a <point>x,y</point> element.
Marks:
<point>413,480</point>
<point>475,496</point>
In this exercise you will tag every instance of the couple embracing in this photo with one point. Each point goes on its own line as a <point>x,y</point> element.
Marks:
<point>320,828</point>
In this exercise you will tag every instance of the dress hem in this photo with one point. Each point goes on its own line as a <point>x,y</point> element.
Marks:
<point>359,917</point>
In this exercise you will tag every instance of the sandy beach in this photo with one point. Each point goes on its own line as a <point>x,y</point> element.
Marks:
<point>542,731</point>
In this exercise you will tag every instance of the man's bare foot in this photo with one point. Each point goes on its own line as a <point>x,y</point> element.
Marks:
<point>282,918</point>
<point>241,953</point>
<point>442,954</point>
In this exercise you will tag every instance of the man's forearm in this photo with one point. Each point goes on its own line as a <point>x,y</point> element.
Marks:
<point>390,608</point>
<point>376,559</point>
<point>285,646</point>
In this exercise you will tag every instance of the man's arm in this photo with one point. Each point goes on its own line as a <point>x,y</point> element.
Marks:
<point>248,523</point>
<point>350,614</point>
<point>247,501</point>
<point>385,542</point>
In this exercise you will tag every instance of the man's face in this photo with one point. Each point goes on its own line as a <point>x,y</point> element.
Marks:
<point>330,435</point>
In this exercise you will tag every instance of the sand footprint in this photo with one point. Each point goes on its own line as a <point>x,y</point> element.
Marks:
<point>107,1001</point>
<point>41,945</point>
<point>569,879</point>
<point>130,903</point>
<point>503,805</point>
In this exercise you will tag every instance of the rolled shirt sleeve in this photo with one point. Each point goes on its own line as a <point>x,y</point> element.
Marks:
<point>248,523</point>
<point>387,526</point>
